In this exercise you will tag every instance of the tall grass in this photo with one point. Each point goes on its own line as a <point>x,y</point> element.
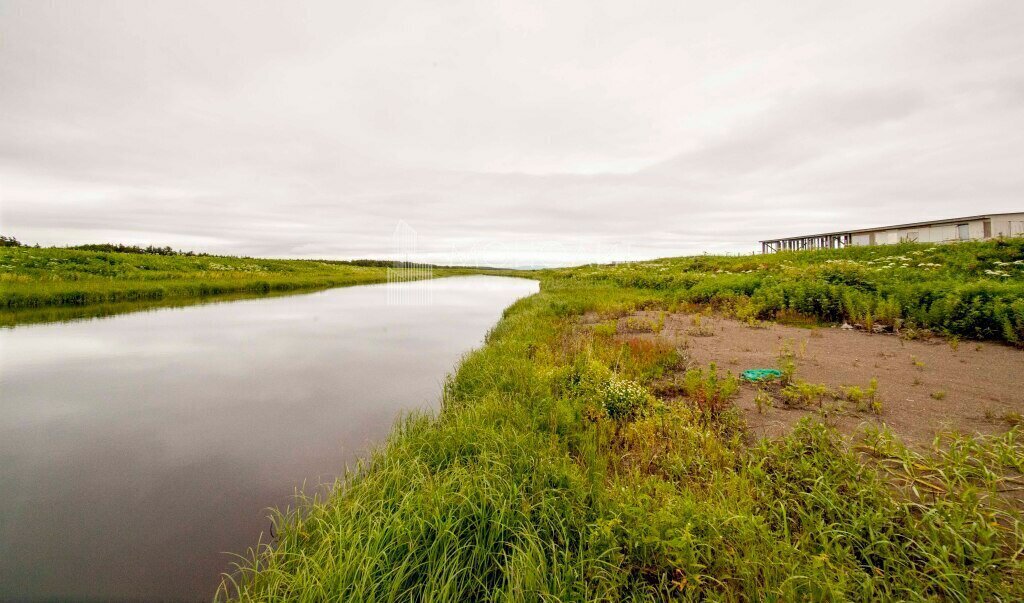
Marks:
<point>973,289</point>
<point>566,466</point>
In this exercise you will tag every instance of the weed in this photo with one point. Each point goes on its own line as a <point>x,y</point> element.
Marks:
<point>640,324</point>
<point>788,368</point>
<point>700,329</point>
<point>853,394</point>
<point>605,329</point>
<point>625,400</point>
<point>786,350</point>
<point>938,395</point>
<point>709,392</point>
<point>754,323</point>
<point>803,394</point>
<point>763,400</point>
<point>871,394</point>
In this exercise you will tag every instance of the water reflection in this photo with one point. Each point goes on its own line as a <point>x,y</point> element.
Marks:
<point>10,317</point>
<point>133,451</point>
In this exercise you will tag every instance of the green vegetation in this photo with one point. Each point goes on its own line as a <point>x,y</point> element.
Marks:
<point>570,462</point>
<point>39,283</point>
<point>639,324</point>
<point>32,277</point>
<point>970,290</point>
<point>863,399</point>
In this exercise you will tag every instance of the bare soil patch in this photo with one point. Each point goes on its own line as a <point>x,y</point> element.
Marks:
<point>925,386</point>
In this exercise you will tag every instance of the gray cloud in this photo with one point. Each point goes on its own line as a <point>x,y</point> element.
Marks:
<point>549,133</point>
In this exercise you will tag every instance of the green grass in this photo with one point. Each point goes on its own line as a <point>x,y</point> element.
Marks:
<point>40,284</point>
<point>32,277</point>
<point>568,464</point>
<point>970,290</point>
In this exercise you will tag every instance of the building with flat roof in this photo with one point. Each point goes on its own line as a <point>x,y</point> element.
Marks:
<point>969,228</point>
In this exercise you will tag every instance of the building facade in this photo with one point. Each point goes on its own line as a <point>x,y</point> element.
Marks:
<point>969,228</point>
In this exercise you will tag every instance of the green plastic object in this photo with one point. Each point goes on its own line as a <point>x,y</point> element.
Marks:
<point>761,374</point>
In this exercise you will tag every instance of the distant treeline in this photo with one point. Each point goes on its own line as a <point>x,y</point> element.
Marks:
<point>167,250</point>
<point>6,241</point>
<point>366,263</point>
<point>149,249</point>
<point>152,250</point>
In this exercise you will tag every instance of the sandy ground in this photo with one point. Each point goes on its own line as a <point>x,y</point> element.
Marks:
<point>924,386</point>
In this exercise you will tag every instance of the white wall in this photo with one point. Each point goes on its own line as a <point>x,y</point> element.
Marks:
<point>1005,226</point>
<point>887,237</point>
<point>941,233</point>
<point>1008,226</point>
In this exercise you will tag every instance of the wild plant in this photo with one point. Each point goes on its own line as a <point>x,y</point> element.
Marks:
<point>802,394</point>
<point>625,400</point>
<point>710,392</point>
<point>787,368</point>
<point>606,328</point>
<point>700,328</point>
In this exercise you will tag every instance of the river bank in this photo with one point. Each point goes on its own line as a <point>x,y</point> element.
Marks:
<point>173,430</point>
<point>572,461</point>
<point>52,284</point>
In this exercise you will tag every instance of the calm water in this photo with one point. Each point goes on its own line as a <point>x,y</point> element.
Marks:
<point>135,450</point>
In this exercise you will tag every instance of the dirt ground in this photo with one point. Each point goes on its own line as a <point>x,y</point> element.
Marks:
<point>925,386</point>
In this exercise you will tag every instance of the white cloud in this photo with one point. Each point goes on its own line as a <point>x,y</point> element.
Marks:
<point>658,127</point>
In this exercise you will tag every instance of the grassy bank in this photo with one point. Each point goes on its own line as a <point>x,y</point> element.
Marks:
<point>553,472</point>
<point>50,279</point>
<point>33,277</point>
<point>972,290</point>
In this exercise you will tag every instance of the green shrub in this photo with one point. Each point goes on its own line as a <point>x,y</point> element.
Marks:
<point>625,400</point>
<point>709,391</point>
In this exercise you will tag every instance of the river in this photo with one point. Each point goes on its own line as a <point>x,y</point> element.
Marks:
<point>136,450</point>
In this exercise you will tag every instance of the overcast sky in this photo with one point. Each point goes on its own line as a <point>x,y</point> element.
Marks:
<point>537,132</point>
